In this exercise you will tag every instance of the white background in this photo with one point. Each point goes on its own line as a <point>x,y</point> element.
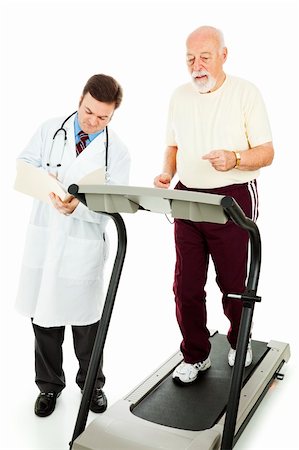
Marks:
<point>48,51</point>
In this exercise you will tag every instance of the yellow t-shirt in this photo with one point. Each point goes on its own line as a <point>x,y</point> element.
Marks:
<point>231,118</point>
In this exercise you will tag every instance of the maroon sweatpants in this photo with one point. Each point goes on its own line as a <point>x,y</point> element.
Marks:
<point>228,247</point>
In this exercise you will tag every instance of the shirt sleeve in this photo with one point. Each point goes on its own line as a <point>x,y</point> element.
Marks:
<point>84,213</point>
<point>256,120</point>
<point>170,134</point>
<point>32,152</point>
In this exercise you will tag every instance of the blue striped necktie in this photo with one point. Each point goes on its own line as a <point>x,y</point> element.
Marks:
<point>80,146</point>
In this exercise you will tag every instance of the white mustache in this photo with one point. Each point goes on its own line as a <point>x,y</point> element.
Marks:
<point>199,73</point>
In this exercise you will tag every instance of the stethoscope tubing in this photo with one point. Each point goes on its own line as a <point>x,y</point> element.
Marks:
<point>65,139</point>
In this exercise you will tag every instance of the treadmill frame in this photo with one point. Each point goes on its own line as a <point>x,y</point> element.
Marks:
<point>120,429</point>
<point>194,206</point>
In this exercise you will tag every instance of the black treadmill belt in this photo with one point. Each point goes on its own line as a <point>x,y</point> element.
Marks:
<point>198,406</point>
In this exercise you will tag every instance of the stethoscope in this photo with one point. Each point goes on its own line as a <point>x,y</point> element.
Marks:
<point>63,130</point>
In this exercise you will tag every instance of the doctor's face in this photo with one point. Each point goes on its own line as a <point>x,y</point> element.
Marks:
<point>94,115</point>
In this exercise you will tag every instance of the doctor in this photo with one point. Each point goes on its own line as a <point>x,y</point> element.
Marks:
<point>61,280</point>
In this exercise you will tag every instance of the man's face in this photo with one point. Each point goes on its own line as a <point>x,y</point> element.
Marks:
<point>94,115</point>
<point>205,62</point>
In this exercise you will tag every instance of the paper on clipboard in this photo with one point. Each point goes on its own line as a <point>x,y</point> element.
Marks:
<point>95,177</point>
<point>37,183</point>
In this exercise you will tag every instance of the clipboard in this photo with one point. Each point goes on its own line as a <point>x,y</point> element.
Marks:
<point>38,183</point>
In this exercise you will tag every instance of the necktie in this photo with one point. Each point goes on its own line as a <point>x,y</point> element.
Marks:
<point>80,146</point>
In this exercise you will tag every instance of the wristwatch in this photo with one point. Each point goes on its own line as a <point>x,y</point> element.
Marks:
<point>238,159</point>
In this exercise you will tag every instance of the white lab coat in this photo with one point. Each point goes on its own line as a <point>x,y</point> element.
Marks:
<point>61,279</point>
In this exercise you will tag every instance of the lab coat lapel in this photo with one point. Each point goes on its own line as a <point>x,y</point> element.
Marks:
<point>90,159</point>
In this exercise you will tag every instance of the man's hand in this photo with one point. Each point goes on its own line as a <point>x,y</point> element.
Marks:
<point>222,160</point>
<point>65,207</point>
<point>163,180</point>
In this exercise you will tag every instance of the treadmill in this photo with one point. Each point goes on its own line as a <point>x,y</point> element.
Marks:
<point>211,413</point>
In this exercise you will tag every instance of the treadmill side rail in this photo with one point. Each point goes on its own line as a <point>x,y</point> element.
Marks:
<point>260,381</point>
<point>118,429</point>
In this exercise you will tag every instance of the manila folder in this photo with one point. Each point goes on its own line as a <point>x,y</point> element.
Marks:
<point>37,183</point>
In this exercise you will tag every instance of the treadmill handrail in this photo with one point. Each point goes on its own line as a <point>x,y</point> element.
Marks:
<point>196,206</point>
<point>102,331</point>
<point>172,194</point>
<point>236,214</point>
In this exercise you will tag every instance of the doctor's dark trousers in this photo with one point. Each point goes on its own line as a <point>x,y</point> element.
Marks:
<point>227,246</point>
<point>48,356</point>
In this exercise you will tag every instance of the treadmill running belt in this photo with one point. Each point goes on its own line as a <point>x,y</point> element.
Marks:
<point>198,406</point>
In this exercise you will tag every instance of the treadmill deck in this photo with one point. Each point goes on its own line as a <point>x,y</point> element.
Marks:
<point>198,406</point>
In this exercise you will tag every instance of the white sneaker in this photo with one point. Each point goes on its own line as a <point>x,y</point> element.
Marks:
<point>186,373</point>
<point>232,356</point>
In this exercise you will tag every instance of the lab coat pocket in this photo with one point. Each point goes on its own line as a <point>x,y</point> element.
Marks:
<point>82,259</point>
<point>35,246</point>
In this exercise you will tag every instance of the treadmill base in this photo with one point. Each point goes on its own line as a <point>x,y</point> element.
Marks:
<point>119,429</point>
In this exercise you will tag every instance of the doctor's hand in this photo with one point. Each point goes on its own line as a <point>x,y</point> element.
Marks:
<point>162,181</point>
<point>65,207</point>
<point>222,160</point>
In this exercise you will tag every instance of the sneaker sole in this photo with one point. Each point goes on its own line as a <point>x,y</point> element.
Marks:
<point>246,365</point>
<point>179,382</point>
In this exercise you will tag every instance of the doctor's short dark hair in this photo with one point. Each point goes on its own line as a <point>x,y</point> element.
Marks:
<point>104,89</point>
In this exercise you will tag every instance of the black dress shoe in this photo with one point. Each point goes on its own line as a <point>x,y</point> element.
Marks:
<point>98,402</point>
<point>45,403</point>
